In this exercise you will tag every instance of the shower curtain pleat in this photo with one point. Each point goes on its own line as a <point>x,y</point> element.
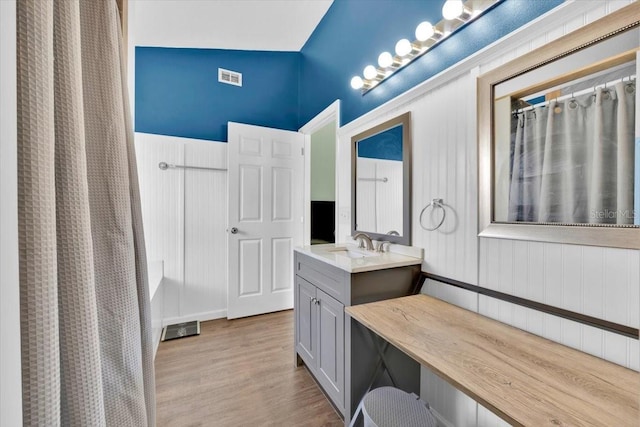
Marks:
<point>625,152</point>
<point>601,166</point>
<point>82,396</point>
<point>37,216</point>
<point>85,315</point>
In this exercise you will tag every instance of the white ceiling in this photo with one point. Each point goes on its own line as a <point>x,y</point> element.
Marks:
<point>280,25</point>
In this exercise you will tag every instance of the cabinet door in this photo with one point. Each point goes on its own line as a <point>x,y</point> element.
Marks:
<point>306,321</point>
<point>330,368</point>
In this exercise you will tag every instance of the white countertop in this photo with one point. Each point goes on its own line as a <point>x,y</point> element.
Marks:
<point>332,254</point>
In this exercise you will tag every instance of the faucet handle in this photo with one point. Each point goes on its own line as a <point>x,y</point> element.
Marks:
<point>360,243</point>
<point>381,244</point>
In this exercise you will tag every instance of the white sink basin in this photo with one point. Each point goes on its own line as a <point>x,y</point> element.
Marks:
<point>354,253</point>
<point>350,258</point>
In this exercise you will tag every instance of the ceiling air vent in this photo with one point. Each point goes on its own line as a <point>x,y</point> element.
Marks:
<point>229,77</point>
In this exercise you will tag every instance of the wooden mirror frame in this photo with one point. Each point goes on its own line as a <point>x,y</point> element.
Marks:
<point>603,235</point>
<point>405,121</point>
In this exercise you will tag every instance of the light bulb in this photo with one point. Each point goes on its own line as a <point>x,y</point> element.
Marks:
<point>424,30</point>
<point>385,60</point>
<point>452,9</point>
<point>356,82</point>
<point>370,72</point>
<point>403,47</point>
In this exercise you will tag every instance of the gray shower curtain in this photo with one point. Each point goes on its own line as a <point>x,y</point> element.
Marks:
<point>573,160</point>
<point>87,355</point>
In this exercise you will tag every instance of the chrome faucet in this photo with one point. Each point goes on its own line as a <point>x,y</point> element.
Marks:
<point>381,246</point>
<point>363,239</point>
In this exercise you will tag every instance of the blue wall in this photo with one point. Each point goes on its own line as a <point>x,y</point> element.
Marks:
<point>178,93</point>
<point>354,32</point>
<point>386,145</point>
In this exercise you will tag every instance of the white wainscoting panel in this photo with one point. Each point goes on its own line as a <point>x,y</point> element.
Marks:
<point>600,282</point>
<point>486,418</point>
<point>163,211</point>
<point>366,195</point>
<point>606,345</point>
<point>205,235</point>
<point>389,196</point>
<point>379,202</point>
<point>443,124</point>
<point>184,213</point>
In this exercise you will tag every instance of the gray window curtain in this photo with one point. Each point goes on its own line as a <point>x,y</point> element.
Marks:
<point>87,356</point>
<point>573,160</point>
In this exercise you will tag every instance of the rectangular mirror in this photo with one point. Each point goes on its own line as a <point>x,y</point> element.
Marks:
<point>559,160</point>
<point>381,187</point>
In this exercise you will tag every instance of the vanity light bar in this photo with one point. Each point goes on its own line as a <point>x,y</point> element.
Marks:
<point>427,35</point>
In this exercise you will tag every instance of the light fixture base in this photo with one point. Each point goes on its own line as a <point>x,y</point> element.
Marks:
<point>471,10</point>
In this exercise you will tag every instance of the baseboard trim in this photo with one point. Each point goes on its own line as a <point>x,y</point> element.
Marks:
<point>203,317</point>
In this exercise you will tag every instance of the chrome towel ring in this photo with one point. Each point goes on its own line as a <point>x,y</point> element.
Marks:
<point>435,203</point>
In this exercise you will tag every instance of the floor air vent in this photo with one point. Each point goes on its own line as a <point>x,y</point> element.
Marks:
<point>229,77</point>
<point>180,330</point>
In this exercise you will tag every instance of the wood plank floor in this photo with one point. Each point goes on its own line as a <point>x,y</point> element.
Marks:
<point>238,373</point>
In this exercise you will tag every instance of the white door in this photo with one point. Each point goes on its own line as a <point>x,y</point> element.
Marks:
<point>265,217</point>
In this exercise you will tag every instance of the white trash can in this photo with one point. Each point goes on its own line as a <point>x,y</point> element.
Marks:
<point>392,407</point>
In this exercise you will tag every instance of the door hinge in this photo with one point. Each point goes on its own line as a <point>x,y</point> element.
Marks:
<point>302,150</point>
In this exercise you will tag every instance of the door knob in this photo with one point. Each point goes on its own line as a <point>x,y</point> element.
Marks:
<point>234,230</point>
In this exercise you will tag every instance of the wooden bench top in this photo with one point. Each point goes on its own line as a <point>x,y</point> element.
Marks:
<point>523,378</point>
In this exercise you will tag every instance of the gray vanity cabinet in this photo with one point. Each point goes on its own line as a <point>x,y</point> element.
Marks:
<point>320,336</point>
<point>326,341</point>
<point>306,314</point>
<point>330,368</point>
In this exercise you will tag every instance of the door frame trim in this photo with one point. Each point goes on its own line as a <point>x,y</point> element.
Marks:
<point>331,113</point>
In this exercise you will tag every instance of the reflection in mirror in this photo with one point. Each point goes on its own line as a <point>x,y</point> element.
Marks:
<point>566,154</point>
<point>559,157</point>
<point>381,181</point>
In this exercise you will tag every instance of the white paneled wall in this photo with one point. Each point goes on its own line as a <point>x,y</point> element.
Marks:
<point>379,195</point>
<point>445,167</point>
<point>366,195</point>
<point>600,282</point>
<point>388,196</point>
<point>185,217</point>
<point>205,236</point>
